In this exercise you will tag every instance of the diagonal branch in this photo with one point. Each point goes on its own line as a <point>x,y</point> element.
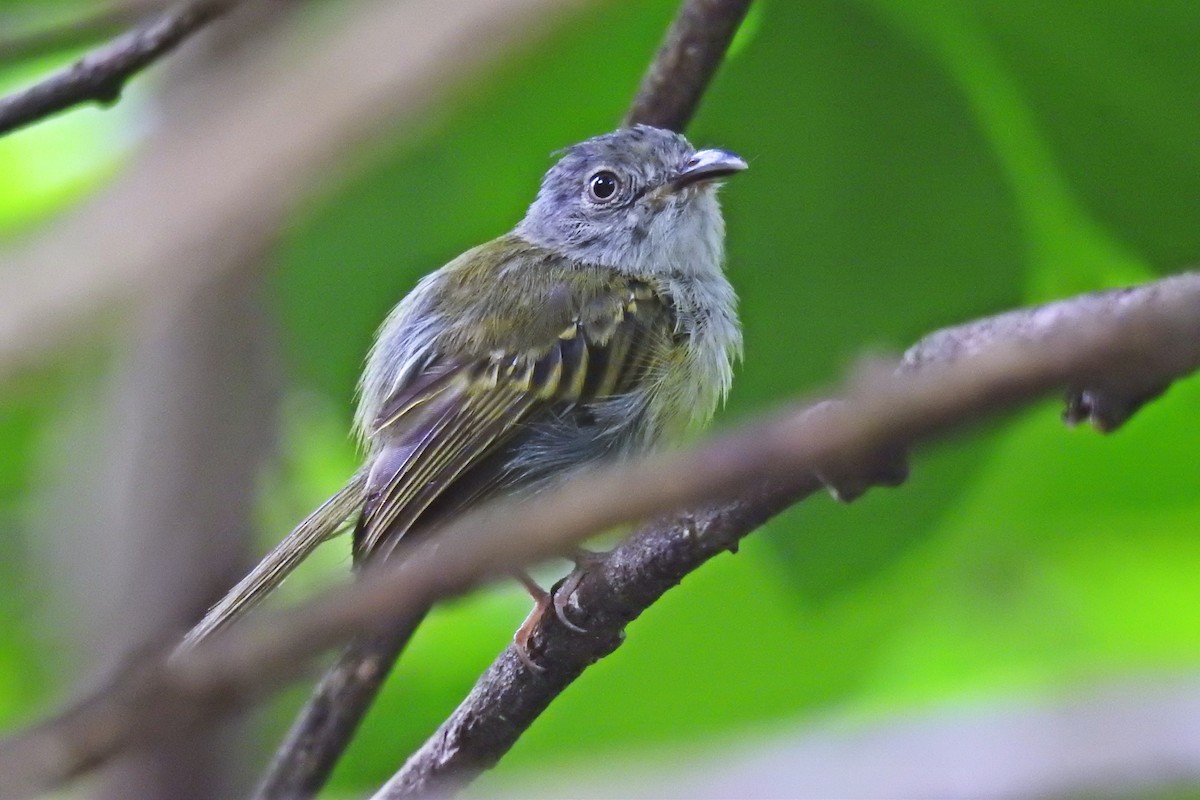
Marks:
<point>677,78</point>
<point>1111,345</point>
<point>100,76</point>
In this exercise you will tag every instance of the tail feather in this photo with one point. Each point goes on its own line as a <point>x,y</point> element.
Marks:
<point>319,526</point>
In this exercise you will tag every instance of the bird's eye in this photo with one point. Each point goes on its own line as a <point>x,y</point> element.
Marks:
<point>603,185</point>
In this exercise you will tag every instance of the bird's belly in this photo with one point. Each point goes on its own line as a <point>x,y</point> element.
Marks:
<point>563,441</point>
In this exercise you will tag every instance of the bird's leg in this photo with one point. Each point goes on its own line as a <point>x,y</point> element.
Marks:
<point>565,590</point>
<point>541,601</point>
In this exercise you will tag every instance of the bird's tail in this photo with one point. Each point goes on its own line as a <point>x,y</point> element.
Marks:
<point>319,526</point>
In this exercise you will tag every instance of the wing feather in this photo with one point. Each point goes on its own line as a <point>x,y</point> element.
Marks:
<point>454,414</point>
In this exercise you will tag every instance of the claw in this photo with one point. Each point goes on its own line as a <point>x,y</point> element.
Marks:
<point>544,601</point>
<point>562,598</point>
<point>563,593</point>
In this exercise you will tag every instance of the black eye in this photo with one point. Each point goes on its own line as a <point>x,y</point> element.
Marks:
<point>603,185</point>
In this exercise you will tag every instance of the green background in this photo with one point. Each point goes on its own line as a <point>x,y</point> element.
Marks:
<point>913,164</point>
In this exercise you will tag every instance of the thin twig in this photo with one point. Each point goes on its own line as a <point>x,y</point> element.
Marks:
<point>100,76</point>
<point>677,77</point>
<point>102,23</point>
<point>1123,341</point>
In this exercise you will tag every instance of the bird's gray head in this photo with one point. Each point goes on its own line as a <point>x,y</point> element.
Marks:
<point>640,199</point>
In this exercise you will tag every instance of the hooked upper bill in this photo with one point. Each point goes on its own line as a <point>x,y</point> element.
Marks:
<point>707,165</point>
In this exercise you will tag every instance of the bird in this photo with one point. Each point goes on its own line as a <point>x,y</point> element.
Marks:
<point>601,327</point>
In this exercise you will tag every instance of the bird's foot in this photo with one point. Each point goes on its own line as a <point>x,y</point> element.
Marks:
<point>559,601</point>
<point>562,597</point>
<point>564,594</point>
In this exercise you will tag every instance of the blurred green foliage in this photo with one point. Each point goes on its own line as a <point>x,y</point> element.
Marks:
<point>913,164</point>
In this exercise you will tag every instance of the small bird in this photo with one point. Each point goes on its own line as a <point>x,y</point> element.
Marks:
<point>601,327</point>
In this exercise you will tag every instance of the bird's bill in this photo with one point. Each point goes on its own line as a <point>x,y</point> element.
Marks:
<point>708,165</point>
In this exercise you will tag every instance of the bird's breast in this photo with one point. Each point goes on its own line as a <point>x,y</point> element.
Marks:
<point>710,340</point>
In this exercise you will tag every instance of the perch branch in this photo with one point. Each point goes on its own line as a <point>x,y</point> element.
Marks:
<point>982,366</point>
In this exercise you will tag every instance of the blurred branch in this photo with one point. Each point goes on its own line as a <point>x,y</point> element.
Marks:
<point>108,20</point>
<point>1132,738</point>
<point>247,150</point>
<point>100,76</point>
<point>1112,346</point>
<point>681,70</point>
<point>196,424</point>
<point>200,402</point>
<point>694,47</point>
